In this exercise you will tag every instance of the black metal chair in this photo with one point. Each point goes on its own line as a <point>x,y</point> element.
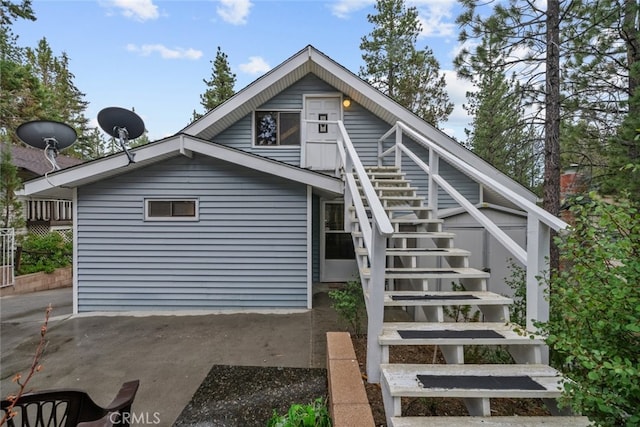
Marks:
<point>71,408</point>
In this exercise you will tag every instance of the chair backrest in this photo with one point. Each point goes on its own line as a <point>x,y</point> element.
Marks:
<point>60,408</point>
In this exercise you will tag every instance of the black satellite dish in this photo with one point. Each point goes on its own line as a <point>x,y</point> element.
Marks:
<point>122,124</point>
<point>48,136</point>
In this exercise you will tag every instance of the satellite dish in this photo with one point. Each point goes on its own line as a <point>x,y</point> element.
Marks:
<point>48,136</point>
<point>122,124</point>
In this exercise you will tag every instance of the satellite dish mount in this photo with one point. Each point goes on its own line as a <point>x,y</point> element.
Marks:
<point>122,124</point>
<point>48,136</point>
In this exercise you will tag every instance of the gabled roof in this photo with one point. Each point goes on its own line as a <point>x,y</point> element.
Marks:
<point>60,184</point>
<point>34,162</point>
<point>311,60</point>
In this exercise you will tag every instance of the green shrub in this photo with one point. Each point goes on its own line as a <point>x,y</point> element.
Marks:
<point>594,325</point>
<point>461,313</point>
<point>349,303</point>
<point>44,253</point>
<point>517,282</point>
<point>314,414</point>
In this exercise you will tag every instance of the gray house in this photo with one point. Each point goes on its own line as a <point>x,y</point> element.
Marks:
<point>244,209</point>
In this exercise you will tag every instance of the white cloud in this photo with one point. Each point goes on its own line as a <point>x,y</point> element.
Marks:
<point>459,119</point>
<point>256,65</point>
<point>342,8</point>
<point>234,11</point>
<point>165,52</point>
<point>140,10</point>
<point>436,17</point>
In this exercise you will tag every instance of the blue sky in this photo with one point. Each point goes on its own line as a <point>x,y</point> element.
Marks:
<point>152,55</point>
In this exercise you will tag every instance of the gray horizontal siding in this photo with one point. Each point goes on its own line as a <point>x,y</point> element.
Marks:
<point>248,249</point>
<point>240,134</point>
<point>364,130</point>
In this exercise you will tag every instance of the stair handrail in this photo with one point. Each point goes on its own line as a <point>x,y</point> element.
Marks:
<point>351,162</point>
<point>375,240</point>
<point>539,221</point>
<point>549,219</point>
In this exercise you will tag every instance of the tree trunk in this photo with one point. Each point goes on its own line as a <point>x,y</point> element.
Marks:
<point>630,36</point>
<point>551,185</point>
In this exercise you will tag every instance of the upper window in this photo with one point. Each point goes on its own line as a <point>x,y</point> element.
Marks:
<point>171,209</point>
<point>277,128</point>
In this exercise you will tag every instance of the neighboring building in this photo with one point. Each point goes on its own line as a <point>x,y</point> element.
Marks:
<point>244,209</point>
<point>42,214</point>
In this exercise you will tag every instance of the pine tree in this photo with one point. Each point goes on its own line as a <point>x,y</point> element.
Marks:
<point>61,100</point>
<point>604,73</point>
<point>499,132</point>
<point>10,11</point>
<point>531,42</point>
<point>220,86</point>
<point>396,67</point>
<point>10,205</point>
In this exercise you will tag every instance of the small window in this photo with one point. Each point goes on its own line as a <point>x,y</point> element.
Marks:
<point>171,210</point>
<point>277,128</point>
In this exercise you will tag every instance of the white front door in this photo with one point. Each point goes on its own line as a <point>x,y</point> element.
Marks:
<point>338,261</point>
<point>320,150</point>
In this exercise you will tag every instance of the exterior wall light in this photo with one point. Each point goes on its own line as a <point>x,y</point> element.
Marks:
<point>346,102</point>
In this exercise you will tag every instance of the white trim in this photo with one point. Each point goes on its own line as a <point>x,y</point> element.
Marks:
<point>309,247</point>
<point>312,60</point>
<point>277,146</point>
<point>96,170</point>
<point>322,247</point>
<point>148,218</point>
<point>267,165</point>
<point>179,313</point>
<point>75,250</point>
<point>324,274</point>
<point>261,85</point>
<point>303,122</point>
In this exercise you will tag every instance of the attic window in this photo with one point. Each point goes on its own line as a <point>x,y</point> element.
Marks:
<point>171,209</point>
<point>277,128</point>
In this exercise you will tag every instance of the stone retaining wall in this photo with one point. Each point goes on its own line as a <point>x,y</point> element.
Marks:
<point>348,403</point>
<point>34,282</point>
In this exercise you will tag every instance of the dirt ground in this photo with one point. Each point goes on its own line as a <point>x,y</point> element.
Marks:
<point>433,406</point>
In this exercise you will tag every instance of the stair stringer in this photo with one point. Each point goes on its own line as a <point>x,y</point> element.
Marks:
<point>454,354</point>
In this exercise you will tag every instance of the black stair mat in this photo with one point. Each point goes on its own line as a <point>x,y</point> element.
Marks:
<point>395,270</point>
<point>450,333</point>
<point>417,250</point>
<point>479,382</point>
<point>432,297</point>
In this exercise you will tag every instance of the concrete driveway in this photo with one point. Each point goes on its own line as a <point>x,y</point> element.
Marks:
<point>171,355</point>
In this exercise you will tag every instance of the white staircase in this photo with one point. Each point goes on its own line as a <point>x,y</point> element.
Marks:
<point>421,265</point>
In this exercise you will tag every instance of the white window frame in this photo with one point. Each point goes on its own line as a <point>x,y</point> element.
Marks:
<point>196,216</point>
<point>276,146</point>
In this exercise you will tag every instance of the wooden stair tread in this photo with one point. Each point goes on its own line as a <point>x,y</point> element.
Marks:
<point>415,234</point>
<point>422,234</point>
<point>417,252</point>
<point>431,273</point>
<point>509,332</point>
<point>501,421</point>
<point>415,221</point>
<point>401,380</point>
<point>445,298</point>
<point>392,187</point>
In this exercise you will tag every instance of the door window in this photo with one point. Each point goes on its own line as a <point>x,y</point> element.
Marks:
<point>338,243</point>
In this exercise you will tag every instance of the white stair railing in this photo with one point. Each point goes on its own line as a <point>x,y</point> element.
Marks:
<point>539,221</point>
<point>375,230</point>
<point>375,238</point>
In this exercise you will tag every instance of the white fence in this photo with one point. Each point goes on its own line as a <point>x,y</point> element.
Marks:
<point>7,256</point>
